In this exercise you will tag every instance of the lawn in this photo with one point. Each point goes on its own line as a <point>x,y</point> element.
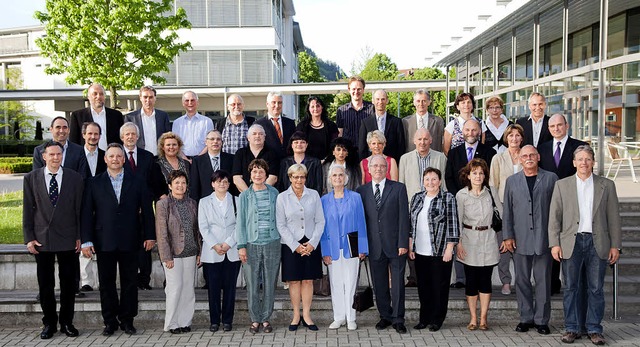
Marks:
<point>11,218</point>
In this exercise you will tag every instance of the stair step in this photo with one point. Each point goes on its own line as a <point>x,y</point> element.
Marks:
<point>631,249</point>
<point>630,205</point>
<point>631,233</point>
<point>630,218</point>
<point>628,266</point>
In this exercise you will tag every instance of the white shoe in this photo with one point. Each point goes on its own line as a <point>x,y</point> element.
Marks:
<point>352,325</point>
<point>506,289</point>
<point>336,324</point>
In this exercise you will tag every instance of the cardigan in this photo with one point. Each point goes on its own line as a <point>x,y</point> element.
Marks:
<point>247,219</point>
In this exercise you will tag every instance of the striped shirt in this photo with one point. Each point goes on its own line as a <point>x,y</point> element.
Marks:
<point>423,164</point>
<point>349,119</point>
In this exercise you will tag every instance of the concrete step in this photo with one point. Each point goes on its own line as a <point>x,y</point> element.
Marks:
<point>630,218</point>
<point>630,204</point>
<point>631,249</point>
<point>628,266</point>
<point>631,233</point>
<point>627,284</point>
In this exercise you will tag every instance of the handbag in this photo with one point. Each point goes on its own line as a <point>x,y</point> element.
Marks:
<point>322,286</point>
<point>363,300</point>
<point>496,220</point>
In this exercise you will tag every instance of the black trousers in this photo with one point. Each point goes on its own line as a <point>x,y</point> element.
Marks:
<point>144,267</point>
<point>221,278</point>
<point>68,264</point>
<point>433,276</point>
<point>116,310</point>
<point>390,302</point>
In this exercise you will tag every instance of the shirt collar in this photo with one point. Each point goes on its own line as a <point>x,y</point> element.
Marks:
<point>88,152</point>
<point>142,113</point>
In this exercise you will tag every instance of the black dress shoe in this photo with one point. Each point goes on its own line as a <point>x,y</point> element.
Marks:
<point>227,327</point>
<point>109,330</point>
<point>79,294</point>
<point>457,285</point>
<point>543,329</point>
<point>400,328</point>
<point>185,329</point>
<point>524,327</point>
<point>69,330</point>
<point>294,327</point>
<point>434,327</point>
<point>311,327</point>
<point>382,324</point>
<point>48,331</point>
<point>420,326</point>
<point>175,331</point>
<point>214,327</point>
<point>86,288</point>
<point>144,287</point>
<point>128,328</point>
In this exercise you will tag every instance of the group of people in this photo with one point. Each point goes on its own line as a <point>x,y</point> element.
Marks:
<point>267,192</point>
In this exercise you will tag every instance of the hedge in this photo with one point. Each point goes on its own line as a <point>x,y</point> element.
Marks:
<point>16,165</point>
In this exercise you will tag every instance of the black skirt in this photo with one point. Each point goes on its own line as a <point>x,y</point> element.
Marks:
<point>298,268</point>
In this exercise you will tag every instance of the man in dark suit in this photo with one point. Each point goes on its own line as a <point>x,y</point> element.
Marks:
<point>51,226</point>
<point>277,127</point>
<point>390,125</point>
<point>110,120</point>
<point>585,235</point>
<point>117,218</point>
<point>72,154</point>
<point>204,165</point>
<point>387,215</point>
<point>423,119</point>
<point>557,156</point>
<point>536,129</point>
<point>151,122</point>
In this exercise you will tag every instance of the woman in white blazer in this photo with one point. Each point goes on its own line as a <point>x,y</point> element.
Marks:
<point>217,222</point>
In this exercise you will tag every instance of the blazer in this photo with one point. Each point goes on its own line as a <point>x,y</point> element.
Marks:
<point>56,228</point>
<point>162,124</point>
<point>272,142</point>
<point>200,175</point>
<point>457,160</point>
<point>101,166</point>
<point>393,132</point>
<point>435,127</point>
<point>547,162</point>
<point>565,216</point>
<point>545,135</point>
<point>334,237</point>
<point>217,226</point>
<point>524,219</point>
<point>299,218</point>
<point>388,227</point>
<point>409,170</point>
<point>79,117</point>
<point>117,226</point>
<point>144,165</point>
<point>443,220</point>
<point>75,159</point>
<point>170,230</point>
<point>501,169</point>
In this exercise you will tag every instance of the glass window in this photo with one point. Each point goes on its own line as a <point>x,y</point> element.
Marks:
<point>504,60</point>
<point>192,68</point>
<point>224,67</point>
<point>257,67</point>
<point>255,12</point>
<point>524,67</point>
<point>195,12</point>
<point>633,31</point>
<point>615,40</point>
<point>583,47</point>
<point>224,13</point>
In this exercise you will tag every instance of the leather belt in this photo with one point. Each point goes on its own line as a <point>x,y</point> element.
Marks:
<point>475,228</point>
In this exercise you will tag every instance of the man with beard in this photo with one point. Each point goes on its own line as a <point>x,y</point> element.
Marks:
<point>235,126</point>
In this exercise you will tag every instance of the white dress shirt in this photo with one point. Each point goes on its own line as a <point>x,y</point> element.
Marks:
<point>537,129</point>
<point>192,131</point>
<point>92,160</point>
<point>381,120</point>
<point>101,119</point>
<point>585,203</point>
<point>563,142</point>
<point>381,183</point>
<point>424,119</point>
<point>48,177</point>
<point>149,131</point>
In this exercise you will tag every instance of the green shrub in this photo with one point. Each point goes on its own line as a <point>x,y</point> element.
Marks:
<point>16,165</point>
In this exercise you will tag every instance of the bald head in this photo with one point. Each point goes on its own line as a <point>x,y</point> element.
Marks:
<point>558,126</point>
<point>422,140</point>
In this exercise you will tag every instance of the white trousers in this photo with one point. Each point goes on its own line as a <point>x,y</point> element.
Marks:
<point>180,293</point>
<point>88,271</point>
<point>343,276</point>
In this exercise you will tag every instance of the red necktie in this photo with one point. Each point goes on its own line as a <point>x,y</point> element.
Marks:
<point>132,162</point>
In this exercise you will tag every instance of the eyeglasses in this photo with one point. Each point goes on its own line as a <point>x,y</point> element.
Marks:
<point>293,178</point>
<point>225,182</point>
<point>528,156</point>
<point>494,108</point>
<point>214,139</point>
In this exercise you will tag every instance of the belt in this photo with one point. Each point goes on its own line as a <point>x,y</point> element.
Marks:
<point>475,228</point>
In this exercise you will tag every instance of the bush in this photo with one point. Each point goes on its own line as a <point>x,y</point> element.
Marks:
<point>16,165</point>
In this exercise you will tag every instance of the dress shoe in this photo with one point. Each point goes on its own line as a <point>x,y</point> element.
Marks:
<point>457,285</point>
<point>185,329</point>
<point>543,329</point>
<point>382,324</point>
<point>351,325</point>
<point>400,328</point>
<point>569,337</point>
<point>86,288</point>
<point>109,330</point>
<point>524,327</point>
<point>472,326</point>
<point>411,283</point>
<point>227,327</point>
<point>420,326</point>
<point>175,331</point>
<point>294,327</point>
<point>597,339</point>
<point>128,328</point>
<point>144,287</point>
<point>79,294</point>
<point>311,327</point>
<point>266,327</point>
<point>434,327</point>
<point>336,324</point>
<point>506,289</point>
<point>483,327</point>
<point>48,331</point>
<point>214,327</point>
<point>69,330</point>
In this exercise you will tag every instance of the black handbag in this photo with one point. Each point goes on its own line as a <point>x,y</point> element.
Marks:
<point>322,286</point>
<point>496,221</point>
<point>363,300</point>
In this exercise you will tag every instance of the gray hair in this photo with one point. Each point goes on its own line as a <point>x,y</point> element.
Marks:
<point>129,125</point>
<point>422,92</point>
<point>272,95</point>
<point>584,148</point>
<point>254,127</point>
<point>332,168</point>
<point>377,134</point>
<point>534,94</point>
<point>377,156</point>
<point>236,96</point>
<point>189,91</point>
<point>297,168</point>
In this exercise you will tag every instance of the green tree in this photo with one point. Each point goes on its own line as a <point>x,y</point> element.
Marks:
<point>118,43</point>
<point>12,112</point>
<point>379,68</point>
<point>308,70</point>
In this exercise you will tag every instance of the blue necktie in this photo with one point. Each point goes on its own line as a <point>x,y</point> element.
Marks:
<point>469,153</point>
<point>53,190</point>
<point>556,155</point>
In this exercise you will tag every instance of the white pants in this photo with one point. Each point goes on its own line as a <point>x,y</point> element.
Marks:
<point>343,276</point>
<point>180,293</point>
<point>88,271</point>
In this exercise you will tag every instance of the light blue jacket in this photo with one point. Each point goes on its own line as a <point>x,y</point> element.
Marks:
<point>247,223</point>
<point>335,232</point>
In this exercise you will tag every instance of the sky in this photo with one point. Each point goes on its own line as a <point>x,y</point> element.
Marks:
<point>343,31</point>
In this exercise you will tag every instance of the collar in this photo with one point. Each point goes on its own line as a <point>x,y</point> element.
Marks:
<point>90,153</point>
<point>589,179</point>
<point>142,113</point>
<point>135,151</point>
<point>532,120</point>
<point>195,116</point>
<point>563,141</point>
<point>272,117</point>
<point>474,146</point>
<point>381,183</point>
<point>214,156</point>
<point>118,175</point>
<point>47,171</point>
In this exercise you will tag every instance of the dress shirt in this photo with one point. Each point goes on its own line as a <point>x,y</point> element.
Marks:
<point>381,183</point>
<point>92,160</point>
<point>537,129</point>
<point>135,155</point>
<point>149,131</point>
<point>297,218</point>
<point>423,164</point>
<point>423,230</point>
<point>381,121</point>
<point>64,152</point>
<point>422,121</point>
<point>211,160</point>
<point>101,119</point>
<point>474,146</point>
<point>116,183</point>
<point>192,131</point>
<point>585,203</point>
<point>234,136</point>
<point>562,141</point>
<point>48,177</point>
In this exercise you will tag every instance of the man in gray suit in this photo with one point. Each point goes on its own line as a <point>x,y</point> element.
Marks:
<point>423,119</point>
<point>525,219</point>
<point>584,233</point>
<point>151,121</point>
<point>387,215</point>
<point>51,226</point>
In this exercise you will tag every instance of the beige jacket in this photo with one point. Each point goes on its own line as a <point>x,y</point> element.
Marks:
<point>481,245</point>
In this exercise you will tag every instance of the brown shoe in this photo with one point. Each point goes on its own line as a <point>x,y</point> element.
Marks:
<point>254,328</point>
<point>597,339</point>
<point>266,327</point>
<point>569,337</point>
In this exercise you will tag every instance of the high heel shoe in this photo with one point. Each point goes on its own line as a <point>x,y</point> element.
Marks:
<point>311,327</point>
<point>294,327</point>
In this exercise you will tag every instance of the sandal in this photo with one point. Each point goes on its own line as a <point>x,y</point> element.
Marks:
<point>266,327</point>
<point>254,328</point>
<point>472,326</point>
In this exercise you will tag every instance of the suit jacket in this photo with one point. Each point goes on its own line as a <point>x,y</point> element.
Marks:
<point>388,227</point>
<point>547,162</point>
<point>545,135</point>
<point>144,165</point>
<point>162,124</point>
<point>101,166</point>
<point>435,127</point>
<point>79,117</point>
<point>113,225</point>
<point>393,132</point>
<point>217,226</point>
<point>457,160</point>
<point>75,159</point>
<point>272,141</point>
<point>56,228</point>
<point>565,216</point>
<point>524,219</point>
<point>409,170</point>
<point>200,175</point>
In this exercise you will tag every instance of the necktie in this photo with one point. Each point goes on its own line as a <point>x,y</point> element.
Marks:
<point>381,124</point>
<point>214,164</point>
<point>556,155</point>
<point>53,190</point>
<point>277,126</point>
<point>422,125</point>
<point>469,153</point>
<point>377,196</point>
<point>132,162</point>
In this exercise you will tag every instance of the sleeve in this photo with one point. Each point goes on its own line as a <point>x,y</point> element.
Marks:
<point>363,147</point>
<point>28,210</point>
<point>508,219</point>
<point>75,135</point>
<point>205,222</point>
<point>361,225</point>
<point>449,174</point>
<point>162,234</point>
<point>158,184</point>
<point>87,219</point>
<point>38,162</point>
<point>318,220</point>
<point>403,215</point>
<point>449,127</point>
<point>147,211</point>
<point>613,216</point>
<point>453,225</point>
<point>231,239</point>
<point>78,206</point>
<point>241,224</point>
<point>555,217</point>
<point>325,246</point>
<point>494,182</point>
<point>236,169</point>
<point>194,180</point>
<point>286,236</point>
<point>460,208</point>
<point>339,119</point>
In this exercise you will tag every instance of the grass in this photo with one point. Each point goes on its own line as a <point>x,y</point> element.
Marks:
<point>11,218</point>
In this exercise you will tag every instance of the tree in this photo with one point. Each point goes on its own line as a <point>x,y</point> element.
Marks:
<point>379,68</point>
<point>117,43</point>
<point>16,112</point>
<point>308,70</point>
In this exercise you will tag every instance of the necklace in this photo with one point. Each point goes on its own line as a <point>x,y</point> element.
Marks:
<point>319,126</point>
